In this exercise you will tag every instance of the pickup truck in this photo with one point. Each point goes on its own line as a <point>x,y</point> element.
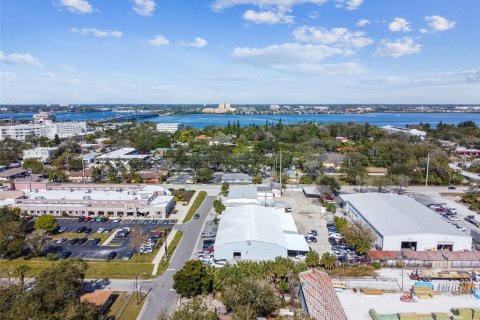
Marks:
<point>473,221</point>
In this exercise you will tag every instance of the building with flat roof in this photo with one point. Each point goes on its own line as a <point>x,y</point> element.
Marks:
<point>122,155</point>
<point>12,174</point>
<point>241,195</point>
<point>39,153</point>
<point>401,223</point>
<point>47,129</point>
<point>236,178</point>
<point>252,232</point>
<point>97,200</point>
<point>222,108</point>
<point>169,127</point>
<point>412,132</point>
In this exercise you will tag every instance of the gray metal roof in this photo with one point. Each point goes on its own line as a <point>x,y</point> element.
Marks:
<point>242,192</point>
<point>236,176</point>
<point>392,214</point>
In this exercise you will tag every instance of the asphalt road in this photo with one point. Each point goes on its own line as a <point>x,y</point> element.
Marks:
<point>162,296</point>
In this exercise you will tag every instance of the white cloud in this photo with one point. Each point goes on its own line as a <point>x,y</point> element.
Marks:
<point>398,48</point>
<point>438,23</point>
<point>362,23</point>
<point>20,58</point>
<point>313,15</point>
<point>219,5</point>
<point>49,76</point>
<point>423,30</point>
<point>354,4</point>
<point>67,68</point>
<point>286,53</point>
<point>399,25</point>
<point>335,36</point>
<point>158,41</point>
<point>77,6</point>
<point>297,58</point>
<point>267,17</point>
<point>445,78</point>
<point>144,7</point>
<point>97,32</point>
<point>197,43</point>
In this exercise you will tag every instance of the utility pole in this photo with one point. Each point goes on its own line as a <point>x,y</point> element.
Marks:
<point>83,167</point>
<point>280,172</point>
<point>428,167</point>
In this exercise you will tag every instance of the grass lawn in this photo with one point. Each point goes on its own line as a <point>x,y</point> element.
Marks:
<point>115,269</point>
<point>125,306</point>
<point>196,204</point>
<point>121,299</point>
<point>172,245</point>
<point>132,310</point>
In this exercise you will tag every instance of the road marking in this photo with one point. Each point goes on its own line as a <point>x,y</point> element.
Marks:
<point>172,289</point>
<point>171,269</point>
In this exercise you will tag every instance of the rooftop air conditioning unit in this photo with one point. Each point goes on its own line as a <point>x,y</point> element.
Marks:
<point>86,197</point>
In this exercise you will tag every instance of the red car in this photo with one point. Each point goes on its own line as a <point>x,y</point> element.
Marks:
<point>86,219</point>
<point>439,210</point>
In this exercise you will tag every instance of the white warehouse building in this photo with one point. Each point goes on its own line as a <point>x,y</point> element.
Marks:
<point>401,223</point>
<point>170,127</point>
<point>253,232</point>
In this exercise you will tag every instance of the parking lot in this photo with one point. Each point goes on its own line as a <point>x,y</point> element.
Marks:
<point>91,251</point>
<point>307,216</point>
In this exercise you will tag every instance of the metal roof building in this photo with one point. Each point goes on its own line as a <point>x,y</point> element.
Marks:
<point>400,222</point>
<point>241,195</point>
<point>253,232</point>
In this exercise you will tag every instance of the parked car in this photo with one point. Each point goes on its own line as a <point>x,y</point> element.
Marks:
<point>451,188</point>
<point>65,254</point>
<point>196,216</point>
<point>59,240</point>
<point>117,220</point>
<point>95,241</point>
<point>101,230</point>
<point>81,229</point>
<point>112,255</point>
<point>128,255</point>
<point>314,232</point>
<point>81,219</point>
<point>121,234</point>
<point>74,241</point>
<point>82,240</point>
<point>62,229</point>
<point>87,219</point>
<point>208,234</point>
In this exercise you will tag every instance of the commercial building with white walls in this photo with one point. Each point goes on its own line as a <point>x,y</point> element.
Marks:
<point>401,223</point>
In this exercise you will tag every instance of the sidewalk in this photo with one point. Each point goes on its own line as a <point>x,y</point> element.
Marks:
<point>112,236</point>
<point>158,258</point>
<point>182,211</point>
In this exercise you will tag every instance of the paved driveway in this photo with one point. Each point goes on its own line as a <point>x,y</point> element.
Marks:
<point>162,295</point>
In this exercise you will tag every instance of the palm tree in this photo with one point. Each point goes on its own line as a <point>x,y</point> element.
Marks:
<point>20,272</point>
<point>328,260</point>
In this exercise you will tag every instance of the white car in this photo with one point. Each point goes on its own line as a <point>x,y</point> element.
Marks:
<point>453,210</point>
<point>461,228</point>
<point>101,230</point>
<point>453,218</point>
<point>116,220</point>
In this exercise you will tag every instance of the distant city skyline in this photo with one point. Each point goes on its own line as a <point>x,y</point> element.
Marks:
<point>241,51</point>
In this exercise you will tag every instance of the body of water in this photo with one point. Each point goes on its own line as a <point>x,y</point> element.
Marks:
<point>378,119</point>
<point>204,120</point>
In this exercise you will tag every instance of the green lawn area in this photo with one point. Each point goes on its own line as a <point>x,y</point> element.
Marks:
<point>126,302</point>
<point>115,269</point>
<point>196,204</point>
<point>173,245</point>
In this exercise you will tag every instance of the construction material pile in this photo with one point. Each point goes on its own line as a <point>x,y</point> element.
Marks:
<point>466,313</point>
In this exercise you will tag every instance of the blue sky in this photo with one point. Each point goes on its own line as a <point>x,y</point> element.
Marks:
<point>241,51</point>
